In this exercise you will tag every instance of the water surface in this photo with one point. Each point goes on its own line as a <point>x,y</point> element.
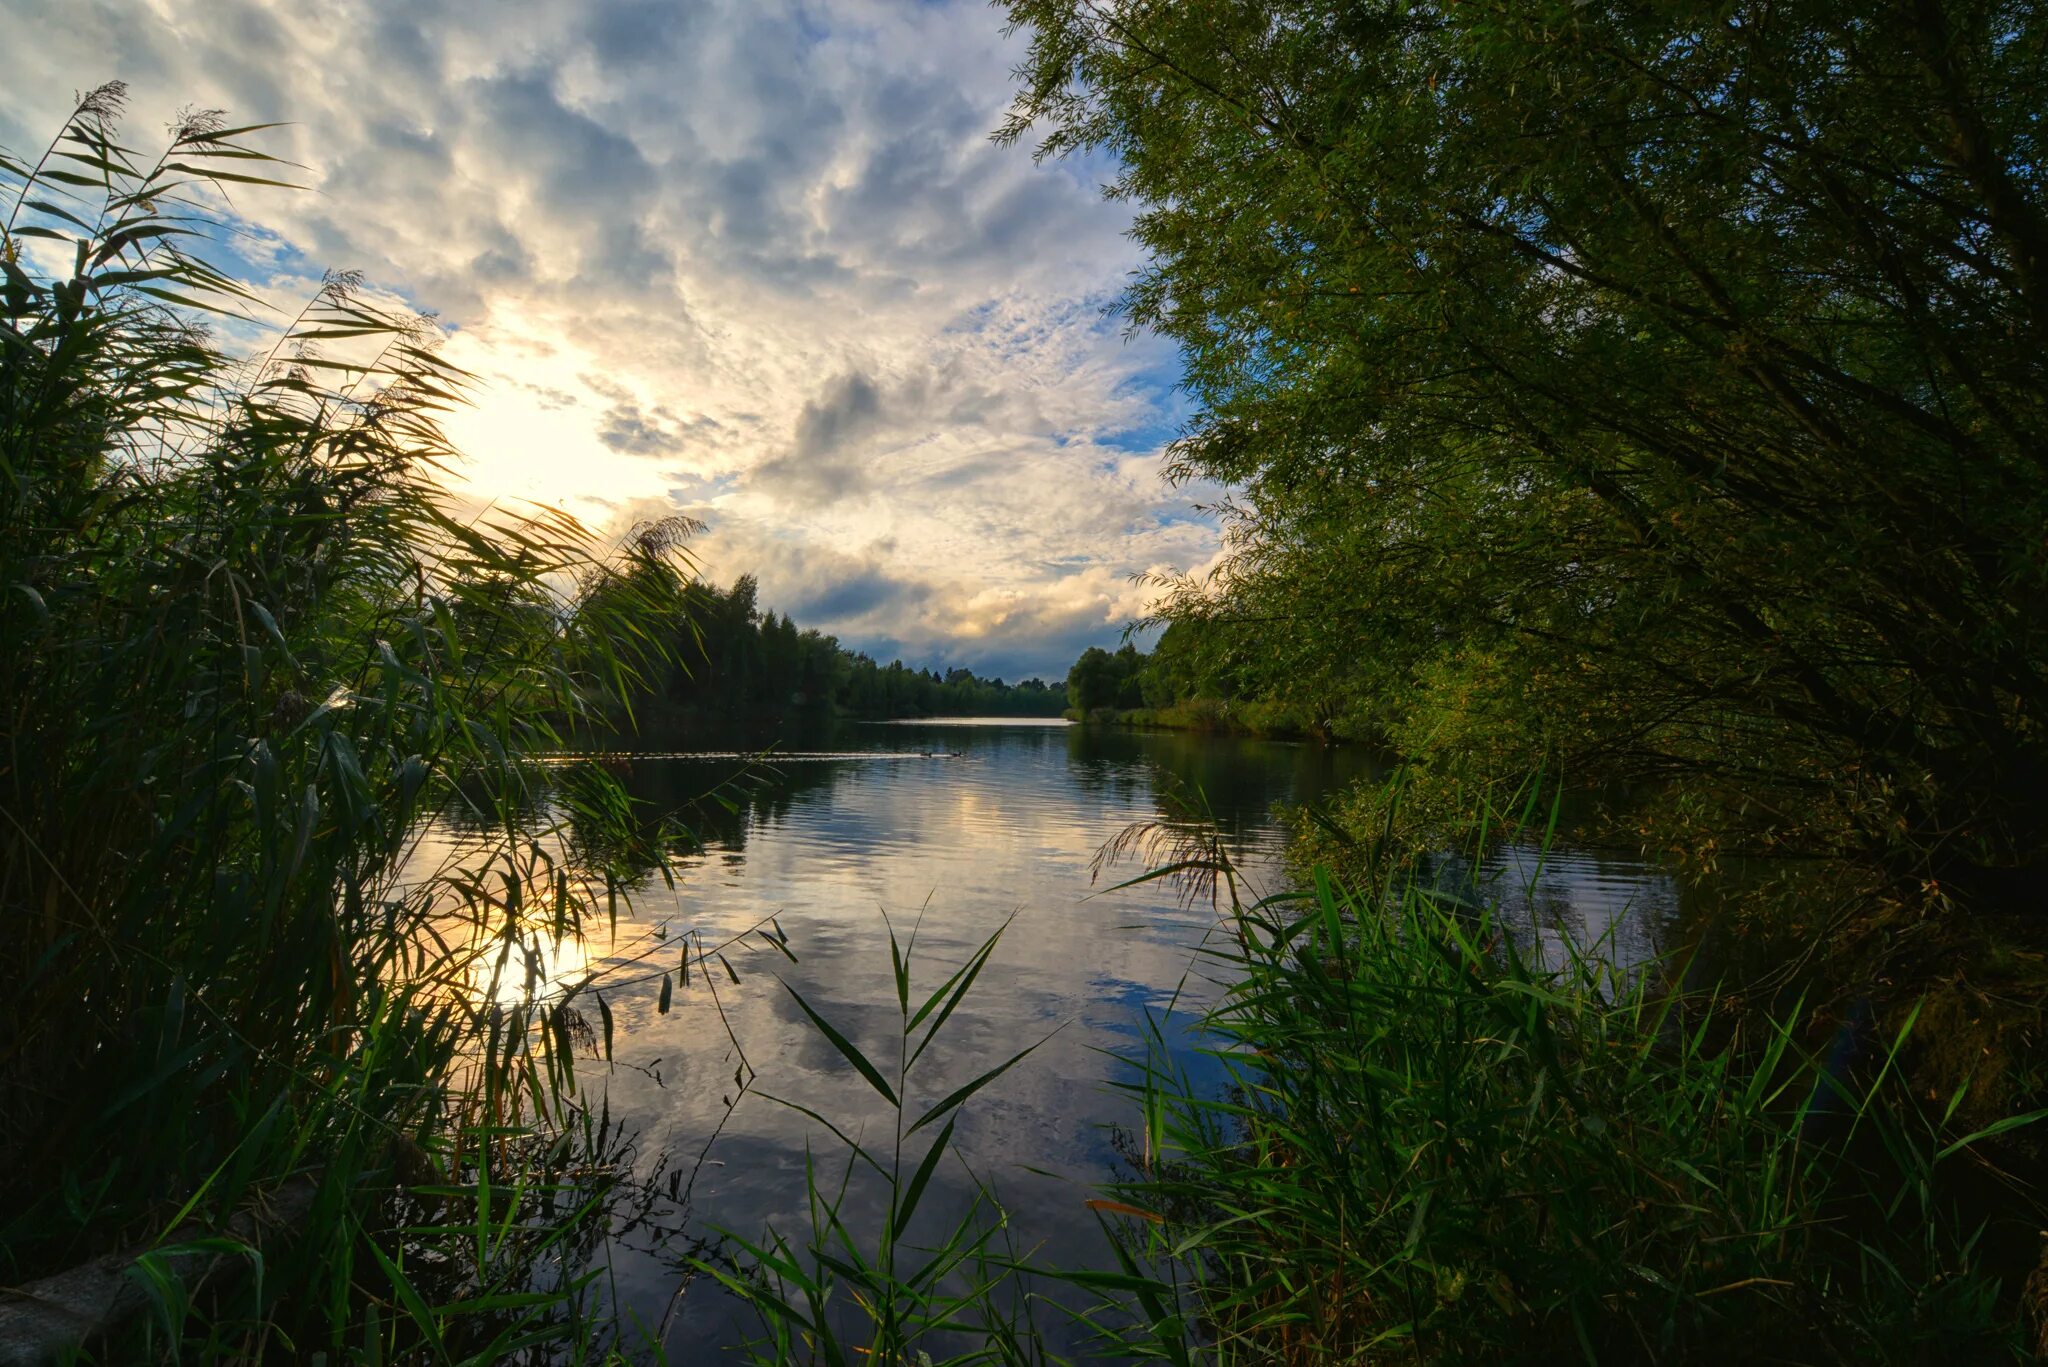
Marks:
<point>950,831</point>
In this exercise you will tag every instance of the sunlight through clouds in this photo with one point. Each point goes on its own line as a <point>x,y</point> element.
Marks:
<point>758,261</point>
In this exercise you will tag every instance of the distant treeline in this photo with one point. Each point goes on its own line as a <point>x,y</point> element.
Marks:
<point>734,658</point>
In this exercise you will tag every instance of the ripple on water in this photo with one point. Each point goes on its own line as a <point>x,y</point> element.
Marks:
<point>847,826</point>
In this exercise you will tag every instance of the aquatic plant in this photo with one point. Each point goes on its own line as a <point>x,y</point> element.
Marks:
<point>1428,1148</point>
<point>847,1291</point>
<point>251,644</point>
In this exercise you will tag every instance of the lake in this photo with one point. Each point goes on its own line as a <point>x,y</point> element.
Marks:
<point>950,830</point>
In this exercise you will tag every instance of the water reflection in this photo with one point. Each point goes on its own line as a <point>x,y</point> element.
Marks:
<point>948,830</point>
<point>1563,904</point>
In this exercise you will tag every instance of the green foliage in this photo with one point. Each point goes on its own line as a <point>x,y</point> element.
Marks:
<point>249,649</point>
<point>1187,663</point>
<point>1657,387</point>
<point>1099,679</point>
<point>1428,1145</point>
<point>1187,683</point>
<point>848,1294</point>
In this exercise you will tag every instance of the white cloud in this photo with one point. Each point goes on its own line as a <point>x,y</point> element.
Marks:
<point>753,257</point>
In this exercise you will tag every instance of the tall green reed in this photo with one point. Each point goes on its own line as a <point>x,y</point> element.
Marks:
<point>1428,1148</point>
<point>249,647</point>
<point>896,1291</point>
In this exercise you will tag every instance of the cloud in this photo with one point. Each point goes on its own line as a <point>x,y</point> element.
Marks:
<point>848,406</point>
<point>820,463</point>
<point>929,613</point>
<point>626,429</point>
<point>859,595</point>
<point>752,257</point>
<point>634,431</point>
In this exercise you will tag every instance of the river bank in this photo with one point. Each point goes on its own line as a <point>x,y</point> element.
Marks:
<point>1212,716</point>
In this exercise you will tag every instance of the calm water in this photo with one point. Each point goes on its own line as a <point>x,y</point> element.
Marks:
<point>950,828</point>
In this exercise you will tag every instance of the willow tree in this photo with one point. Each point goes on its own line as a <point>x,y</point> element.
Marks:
<point>1662,384</point>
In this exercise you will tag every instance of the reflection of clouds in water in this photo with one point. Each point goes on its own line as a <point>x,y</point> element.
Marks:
<point>1010,826</point>
<point>1560,903</point>
<point>954,847</point>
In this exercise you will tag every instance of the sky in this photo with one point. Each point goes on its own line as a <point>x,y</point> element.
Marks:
<point>752,260</point>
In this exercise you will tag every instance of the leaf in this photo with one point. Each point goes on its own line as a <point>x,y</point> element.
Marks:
<point>960,983</point>
<point>846,1049</point>
<point>414,1306</point>
<point>971,1088</point>
<point>1997,1127</point>
<point>902,971</point>
<point>781,944</point>
<point>919,1179</point>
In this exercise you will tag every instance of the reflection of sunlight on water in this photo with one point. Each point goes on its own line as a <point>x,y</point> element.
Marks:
<point>537,964</point>
<point>505,928</point>
<point>848,825</point>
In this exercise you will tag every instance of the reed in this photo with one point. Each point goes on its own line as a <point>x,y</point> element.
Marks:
<point>904,1291</point>
<point>1430,1149</point>
<point>248,647</point>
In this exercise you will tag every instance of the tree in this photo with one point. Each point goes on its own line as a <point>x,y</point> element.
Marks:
<point>1659,386</point>
<point>1092,682</point>
<point>1129,665</point>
